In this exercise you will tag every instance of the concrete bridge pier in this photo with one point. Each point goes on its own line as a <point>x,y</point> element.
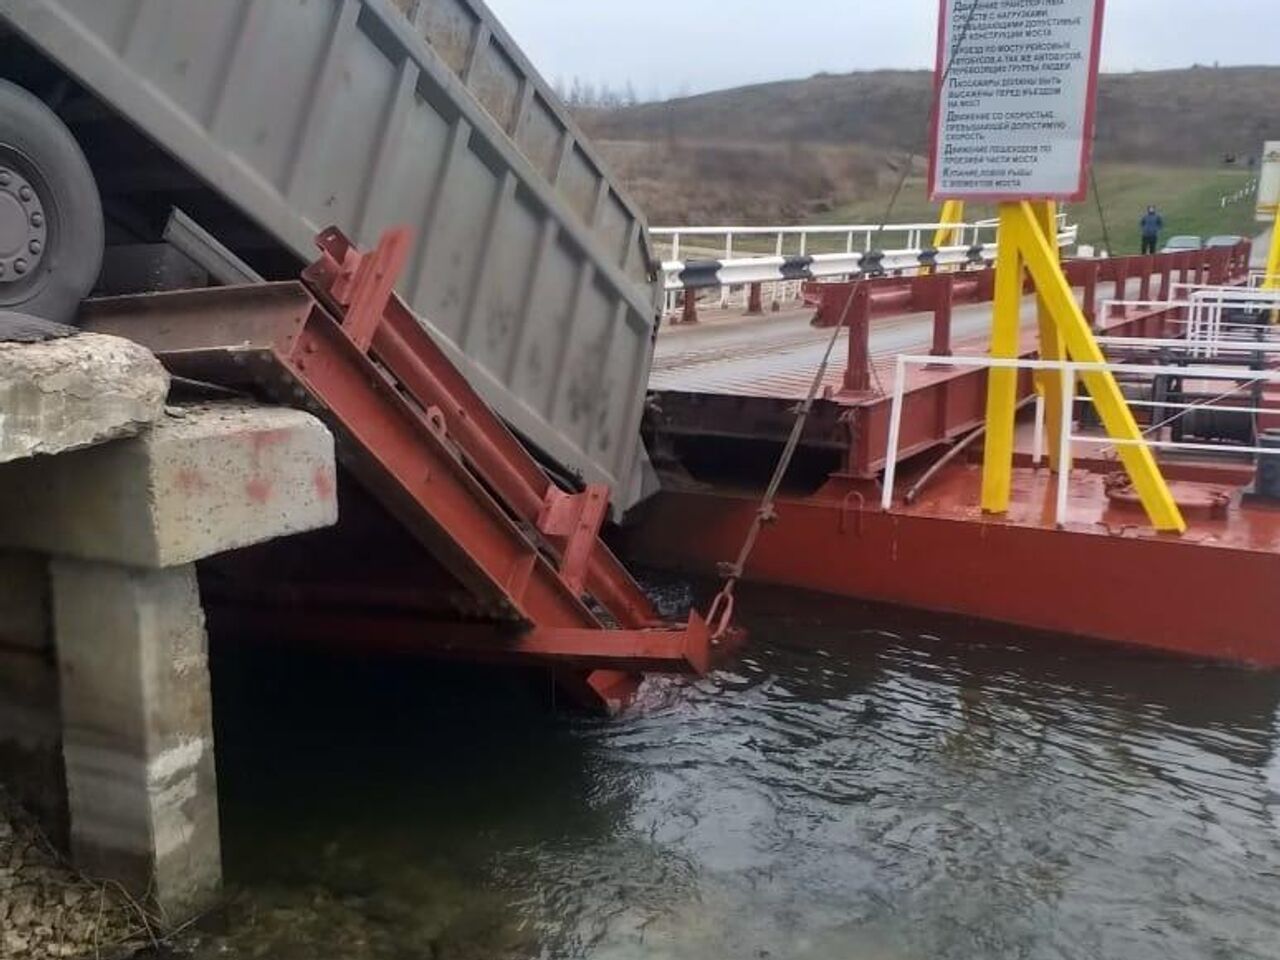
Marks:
<point>137,729</point>
<point>104,679</point>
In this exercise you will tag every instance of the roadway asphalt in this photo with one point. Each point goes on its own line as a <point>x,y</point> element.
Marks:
<point>777,355</point>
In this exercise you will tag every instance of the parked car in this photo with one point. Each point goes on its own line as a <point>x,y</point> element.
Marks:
<point>1224,240</point>
<point>1182,244</point>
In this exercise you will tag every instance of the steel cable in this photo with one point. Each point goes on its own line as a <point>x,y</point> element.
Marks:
<point>720,615</point>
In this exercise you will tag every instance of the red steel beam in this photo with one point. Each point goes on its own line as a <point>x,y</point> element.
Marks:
<point>940,406</point>
<point>940,556</point>
<point>402,345</point>
<point>665,651</point>
<point>890,296</point>
<point>416,435</point>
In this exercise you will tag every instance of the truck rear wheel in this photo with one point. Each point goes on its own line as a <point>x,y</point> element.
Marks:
<point>51,232</point>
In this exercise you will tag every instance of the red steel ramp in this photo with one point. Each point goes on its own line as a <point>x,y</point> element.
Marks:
<point>416,435</point>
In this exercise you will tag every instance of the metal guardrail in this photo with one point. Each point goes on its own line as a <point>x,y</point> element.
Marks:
<point>797,239</point>
<point>1070,375</point>
<point>715,274</point>
<point>1207,308</point>
<point>1249,190</point>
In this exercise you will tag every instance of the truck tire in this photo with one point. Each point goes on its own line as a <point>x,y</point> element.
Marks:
<point>51,231</point>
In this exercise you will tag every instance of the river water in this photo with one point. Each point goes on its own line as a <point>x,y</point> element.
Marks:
<point>858,784</point>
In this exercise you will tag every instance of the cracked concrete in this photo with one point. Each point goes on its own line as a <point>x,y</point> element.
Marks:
<point>72,393</point>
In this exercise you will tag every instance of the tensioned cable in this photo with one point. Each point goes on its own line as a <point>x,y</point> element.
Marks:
<point>720,615</point>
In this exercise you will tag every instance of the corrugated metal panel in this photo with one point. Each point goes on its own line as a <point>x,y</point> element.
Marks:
<point>531,265</point>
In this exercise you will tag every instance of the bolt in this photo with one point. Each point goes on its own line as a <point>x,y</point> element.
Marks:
<point>5,177</point>
<point>34,246</point>
<point>24,194</point>
<point>19,267</point>
<point>37,219</point>
<point>1,268</point>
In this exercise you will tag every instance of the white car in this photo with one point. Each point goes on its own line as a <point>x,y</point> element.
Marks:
<point>1182,244</point>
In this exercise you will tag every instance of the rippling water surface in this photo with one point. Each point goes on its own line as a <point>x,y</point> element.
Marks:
<point>854,786</point>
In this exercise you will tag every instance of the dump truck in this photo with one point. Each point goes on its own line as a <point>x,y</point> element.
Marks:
<point>166,144</point>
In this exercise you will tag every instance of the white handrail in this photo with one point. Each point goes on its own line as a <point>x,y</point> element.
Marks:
<point>1225,346</point>
<point>1070,372</point>
<point>970,234</point>
<point>713,274</point>
<point>1222,294</point>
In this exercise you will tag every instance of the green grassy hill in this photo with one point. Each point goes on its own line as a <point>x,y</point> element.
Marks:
<point>1177,117</point>
<point>829,148</point>
<point>1188,198</point>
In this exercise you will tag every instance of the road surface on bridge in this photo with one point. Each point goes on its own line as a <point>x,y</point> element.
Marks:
<point>776,355</point>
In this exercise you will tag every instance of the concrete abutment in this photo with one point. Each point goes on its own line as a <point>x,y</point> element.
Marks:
<point>137,729</point>
<point>106,728</point>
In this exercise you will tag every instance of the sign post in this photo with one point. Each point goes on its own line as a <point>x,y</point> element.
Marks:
<point>1269,209</point>
<point>1013,124</point>
<point>1016,89</point>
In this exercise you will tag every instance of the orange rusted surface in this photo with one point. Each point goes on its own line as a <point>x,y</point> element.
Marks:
<point>1210,593</point>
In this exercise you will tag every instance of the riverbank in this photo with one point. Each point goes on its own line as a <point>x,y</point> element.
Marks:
<point>49,910</point>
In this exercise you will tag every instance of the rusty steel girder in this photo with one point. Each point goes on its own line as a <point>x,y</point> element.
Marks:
<point>416,435</point>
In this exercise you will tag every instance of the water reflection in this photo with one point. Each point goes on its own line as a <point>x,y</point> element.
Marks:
<point>854,786</point>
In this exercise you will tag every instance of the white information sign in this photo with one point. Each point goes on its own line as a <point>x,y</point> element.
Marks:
<point>1269,183</point>
<point>1017,84</point>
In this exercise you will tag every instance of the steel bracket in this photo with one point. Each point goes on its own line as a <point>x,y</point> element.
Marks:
<point>574,522</point>
<point>413,431</point>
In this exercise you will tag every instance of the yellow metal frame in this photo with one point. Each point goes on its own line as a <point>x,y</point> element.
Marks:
<point>1049,382</point>
<point>952,213</point>
<point>1027,241</point>
<point>1271,279</point>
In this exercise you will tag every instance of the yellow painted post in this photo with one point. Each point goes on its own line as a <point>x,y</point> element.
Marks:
<point>1002,384</point>
<point>1038,250</point>
<point>1271,280</point>
<point>952,212</point>
<point>1049,382</point>
<point>1271,276</point>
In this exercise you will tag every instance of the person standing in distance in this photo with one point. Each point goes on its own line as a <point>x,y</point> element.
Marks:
<point>1152,223</point>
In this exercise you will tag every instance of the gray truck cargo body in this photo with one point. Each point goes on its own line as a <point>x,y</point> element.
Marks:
<point>530,266</point>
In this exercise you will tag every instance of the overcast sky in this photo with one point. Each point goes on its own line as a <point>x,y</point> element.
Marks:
<point>672,46</point>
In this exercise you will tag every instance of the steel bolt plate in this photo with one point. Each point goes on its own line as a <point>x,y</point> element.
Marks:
<point>23,226</point>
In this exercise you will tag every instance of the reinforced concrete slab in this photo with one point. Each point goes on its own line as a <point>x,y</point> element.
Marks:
<point>202,481</point>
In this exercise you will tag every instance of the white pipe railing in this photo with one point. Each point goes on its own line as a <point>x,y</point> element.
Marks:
<point>1070,373</point>
<point>1209,304</point>
<point>1236,296</point>
<point>765,269</point>
<point>1220,346</point>
<point>1246,192</point>
<point>713,274</point>
<point>856,236</point>
<point>863,236</point>
<point>1206,307</point>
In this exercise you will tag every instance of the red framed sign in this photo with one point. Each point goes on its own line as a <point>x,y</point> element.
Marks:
<point>1017,88</point>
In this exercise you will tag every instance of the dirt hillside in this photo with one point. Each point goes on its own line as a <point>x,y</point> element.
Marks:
<point>801,148</point>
